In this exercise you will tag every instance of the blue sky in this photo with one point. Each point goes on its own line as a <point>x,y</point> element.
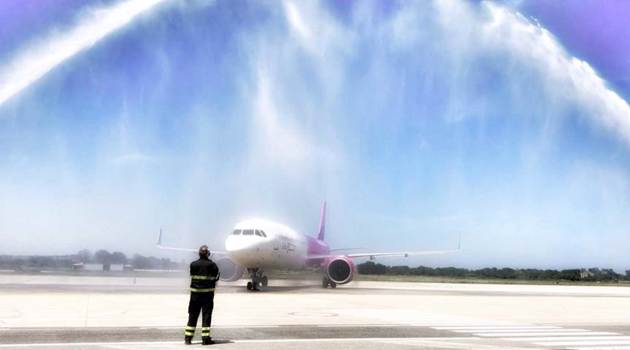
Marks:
<point>416,121</point>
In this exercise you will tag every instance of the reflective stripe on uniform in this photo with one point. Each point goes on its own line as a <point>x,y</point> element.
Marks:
<point>202,290</point>
<point>189,328</point>
<point>205,331</point>
<point>198,277</point>
<point>189,333</point>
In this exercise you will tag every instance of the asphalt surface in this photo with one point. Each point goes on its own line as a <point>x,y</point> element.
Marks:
<point>227,334</point>
<point>79,312</point>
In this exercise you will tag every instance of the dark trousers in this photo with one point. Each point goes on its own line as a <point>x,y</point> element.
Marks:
<point>200,302</point>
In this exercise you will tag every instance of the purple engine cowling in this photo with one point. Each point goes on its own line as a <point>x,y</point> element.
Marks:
<point>340,269</point>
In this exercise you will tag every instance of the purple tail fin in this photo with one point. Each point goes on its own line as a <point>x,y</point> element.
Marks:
<point>322,224</point>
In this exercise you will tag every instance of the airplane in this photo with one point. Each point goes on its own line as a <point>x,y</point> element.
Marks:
<point>258,245</point>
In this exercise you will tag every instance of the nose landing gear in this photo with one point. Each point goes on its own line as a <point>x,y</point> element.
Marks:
<point>258,279</point>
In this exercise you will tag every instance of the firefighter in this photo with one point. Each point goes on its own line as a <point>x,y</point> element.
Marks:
<point>204,274</point>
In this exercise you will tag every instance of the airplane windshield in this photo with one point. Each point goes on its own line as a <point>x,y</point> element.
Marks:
<point>236,232</point>
<point>248,232</point>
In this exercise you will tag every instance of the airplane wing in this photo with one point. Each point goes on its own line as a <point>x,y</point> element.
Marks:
<point>345,249</point>
<point>401,254</point>
<point>193,250</point>
<point>374,255</point>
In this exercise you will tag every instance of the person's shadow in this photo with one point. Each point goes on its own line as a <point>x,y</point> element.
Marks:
<point>216,341</point>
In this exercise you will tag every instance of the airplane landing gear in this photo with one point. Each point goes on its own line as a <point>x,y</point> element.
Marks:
<point>258,279</point>
<point>327,282</point>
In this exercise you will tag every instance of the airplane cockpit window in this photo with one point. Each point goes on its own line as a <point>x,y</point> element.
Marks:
<point>258,233</point>
<point>236,232</point>
<point>248,232</point>
<point>263,233</point>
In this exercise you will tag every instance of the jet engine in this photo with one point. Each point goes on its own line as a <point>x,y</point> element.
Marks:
<point>340,270</point>
<point>230,271</point>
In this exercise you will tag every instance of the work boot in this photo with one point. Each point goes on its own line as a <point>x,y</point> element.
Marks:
<point>188,340</point>
<point>206,341</point>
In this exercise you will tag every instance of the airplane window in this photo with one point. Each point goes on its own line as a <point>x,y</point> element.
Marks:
<point>258,233</point>
<point>236,232</point>
<point>263,233</point>
<point>248,232</point>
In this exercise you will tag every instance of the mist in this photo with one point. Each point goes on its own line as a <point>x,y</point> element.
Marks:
<point>415,121</point>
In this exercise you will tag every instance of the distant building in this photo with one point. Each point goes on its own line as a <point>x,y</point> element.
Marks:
<point>585,274</point>
<point>94,267</point>
<point>102,267</point>
<point>116,267</point>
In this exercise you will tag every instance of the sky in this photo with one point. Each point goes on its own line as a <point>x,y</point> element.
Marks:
<point>507,123</point>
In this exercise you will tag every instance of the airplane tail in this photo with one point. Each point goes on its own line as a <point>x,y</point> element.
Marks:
<point>322,223</point>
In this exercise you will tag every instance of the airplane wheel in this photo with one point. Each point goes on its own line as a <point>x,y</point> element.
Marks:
<point>264,281</point>
<point>333,284</point>
<point>250,286</point>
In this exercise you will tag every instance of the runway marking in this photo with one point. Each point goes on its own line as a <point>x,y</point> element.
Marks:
<point>520,330</point>
<point>244,341</point>
<point>569,338</point>
<point>362,325</point>
<point>494,327</point>
<point>580,343</point>
<point>540,334</point>
<point>601,348</point>
<point>548,336</point>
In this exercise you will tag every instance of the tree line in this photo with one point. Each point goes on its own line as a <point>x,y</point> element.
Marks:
<point>85,256</point>
<point>592,274</point>
<point>137,261</point>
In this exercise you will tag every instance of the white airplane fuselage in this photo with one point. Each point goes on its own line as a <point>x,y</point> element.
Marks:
<point>264,244</point>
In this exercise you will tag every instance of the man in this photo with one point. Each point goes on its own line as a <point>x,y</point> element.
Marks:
<point>204,275</point>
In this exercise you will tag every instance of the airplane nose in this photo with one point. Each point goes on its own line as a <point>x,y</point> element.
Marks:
<point>244,250</point>
<point>240,244</point>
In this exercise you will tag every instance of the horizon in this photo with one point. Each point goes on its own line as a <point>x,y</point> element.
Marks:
<point>129,256</point>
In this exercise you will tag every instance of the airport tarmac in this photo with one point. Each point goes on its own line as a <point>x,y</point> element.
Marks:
<point>126,312</point>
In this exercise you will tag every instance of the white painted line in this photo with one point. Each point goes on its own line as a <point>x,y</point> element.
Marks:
<point>580,343</point>
<point>601,348</point>
<point>359,325</point>
<point>541,334</point>
<point>293,340</point>
<point>515,330</point>
<point>569,338</point>
<point>495,327</point>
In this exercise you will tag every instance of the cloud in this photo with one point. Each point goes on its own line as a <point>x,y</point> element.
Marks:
<point>35,61</point>
<point>575,80</point>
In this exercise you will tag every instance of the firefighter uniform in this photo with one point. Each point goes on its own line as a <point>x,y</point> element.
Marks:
<point>204,274</point>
